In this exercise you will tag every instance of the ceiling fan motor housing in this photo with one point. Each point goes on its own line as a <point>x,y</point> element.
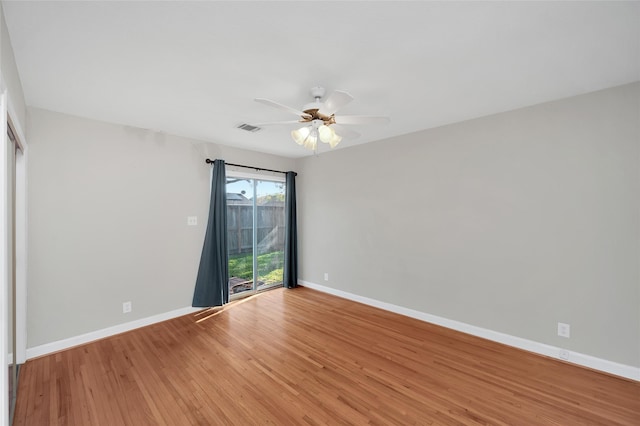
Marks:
<point>314,115</point>
<point>312,108</point>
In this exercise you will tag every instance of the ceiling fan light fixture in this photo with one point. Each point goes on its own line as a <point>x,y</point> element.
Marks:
<point>326,133</point>
<point>308,136</point>
<point>311,141</point>
<point>335,140</point>
<point>300,135</point>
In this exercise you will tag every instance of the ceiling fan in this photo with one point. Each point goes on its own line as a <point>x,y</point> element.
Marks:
<point>320,121</point>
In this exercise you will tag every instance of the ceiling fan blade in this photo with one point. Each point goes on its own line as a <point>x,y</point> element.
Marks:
<point>335,101</point>
<point>361,119</point>
<point>345,132</point>
<point>282,107</point>
<point>276,123</point>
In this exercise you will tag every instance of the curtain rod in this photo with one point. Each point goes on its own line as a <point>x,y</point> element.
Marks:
<point>209,161</point>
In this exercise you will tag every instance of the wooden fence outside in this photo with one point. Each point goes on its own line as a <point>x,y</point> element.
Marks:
<point>240,228</point>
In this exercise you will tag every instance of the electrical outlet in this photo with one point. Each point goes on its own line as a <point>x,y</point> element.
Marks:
<point>564,330</point>
<point>192,220</point>
<point>326,276</point>
<point>564,354</point>
<point>126,307</point>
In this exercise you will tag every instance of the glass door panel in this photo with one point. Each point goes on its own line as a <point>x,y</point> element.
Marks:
<point>240,234</point>
<point>270,233</point>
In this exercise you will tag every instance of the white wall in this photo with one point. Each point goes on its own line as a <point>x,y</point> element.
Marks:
<point>512,222</point>
<point>108,208</point>
<point>10,76</point>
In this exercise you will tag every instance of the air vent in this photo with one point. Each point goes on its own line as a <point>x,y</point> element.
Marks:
<point>248,127</point>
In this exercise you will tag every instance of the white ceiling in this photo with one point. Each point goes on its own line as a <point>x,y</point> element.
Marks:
<point>194,68</point>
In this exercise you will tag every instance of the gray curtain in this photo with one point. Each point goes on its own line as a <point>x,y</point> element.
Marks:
<point>212,283</point>
<point>290,234</point>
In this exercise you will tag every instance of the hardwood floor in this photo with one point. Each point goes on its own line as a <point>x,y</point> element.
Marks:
<point>289,357</point>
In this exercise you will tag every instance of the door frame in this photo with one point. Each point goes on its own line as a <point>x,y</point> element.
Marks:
<point>253,176</point>
<point>8,114</point>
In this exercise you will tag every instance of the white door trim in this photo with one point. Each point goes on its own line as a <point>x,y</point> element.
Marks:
<point>21,242</point>
<point>4,263</point>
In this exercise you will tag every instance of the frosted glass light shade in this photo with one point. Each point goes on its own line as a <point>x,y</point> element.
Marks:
<point>326,133</point>
<point>335,140</point>
<point>300,135</point>
<point>311,142</point>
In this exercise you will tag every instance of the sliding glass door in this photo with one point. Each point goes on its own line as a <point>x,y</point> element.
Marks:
<point>255,234</point>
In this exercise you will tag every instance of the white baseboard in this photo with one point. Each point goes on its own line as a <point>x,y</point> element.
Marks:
<point>59,345</point>
<point>584,360</point>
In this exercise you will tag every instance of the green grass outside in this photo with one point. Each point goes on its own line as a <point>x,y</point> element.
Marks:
<point>269,267</point>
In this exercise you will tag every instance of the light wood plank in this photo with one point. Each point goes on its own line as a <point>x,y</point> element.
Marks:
<point>304,357</point>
